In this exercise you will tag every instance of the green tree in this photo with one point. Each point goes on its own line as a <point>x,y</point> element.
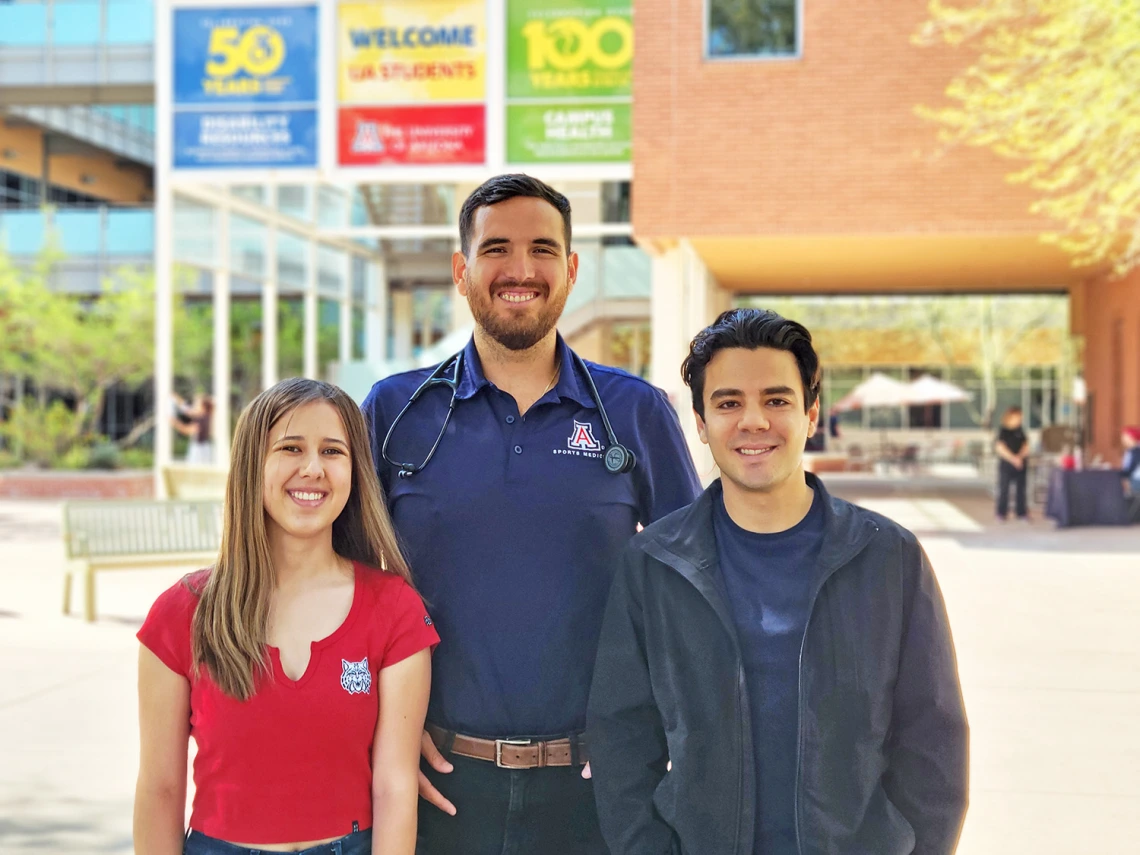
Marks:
<point>76,346</point>
<point>1053,87</point>
<point>988,329</point>
<point>982,332</point>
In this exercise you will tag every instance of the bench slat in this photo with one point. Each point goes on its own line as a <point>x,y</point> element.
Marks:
<point>142,527</point>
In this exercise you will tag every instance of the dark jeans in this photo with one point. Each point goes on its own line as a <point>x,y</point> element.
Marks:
<point>357,843</point>
<point>1009,474</point>
<point>1134,507</point>
<point>546,811</point>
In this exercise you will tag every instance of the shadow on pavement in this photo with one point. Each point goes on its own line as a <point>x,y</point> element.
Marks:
<point>15,527</point>
<point>72,826</point>
<point>964,514</point>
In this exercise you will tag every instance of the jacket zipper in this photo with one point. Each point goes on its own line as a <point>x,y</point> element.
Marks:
<point>740,684</point>
<point>800,692</point>
<point>741,687</point>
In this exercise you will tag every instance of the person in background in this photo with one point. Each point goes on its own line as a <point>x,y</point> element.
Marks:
<point>298,662</point>
<point>1130,470</point>
<point>195,421</point>
<point>1012,447</point>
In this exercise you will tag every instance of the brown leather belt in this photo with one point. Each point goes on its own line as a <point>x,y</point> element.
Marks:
<point>511,753</point>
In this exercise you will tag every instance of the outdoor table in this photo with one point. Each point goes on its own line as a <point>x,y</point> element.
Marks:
<point>1086,497</point>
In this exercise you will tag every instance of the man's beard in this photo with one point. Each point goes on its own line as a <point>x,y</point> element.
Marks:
<point>517,333</point>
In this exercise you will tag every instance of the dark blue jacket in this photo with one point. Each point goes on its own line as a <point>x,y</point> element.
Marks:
<point>882,764</point>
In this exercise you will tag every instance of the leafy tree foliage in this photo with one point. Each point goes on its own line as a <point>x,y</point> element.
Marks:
<point>1053,87</point>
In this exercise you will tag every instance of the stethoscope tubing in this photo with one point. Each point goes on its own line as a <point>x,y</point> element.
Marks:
<point>617,452</point>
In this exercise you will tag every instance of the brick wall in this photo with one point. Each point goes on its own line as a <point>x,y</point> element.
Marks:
<point>1112,359</point>
<point>21,484</point>
<point>826,144</point>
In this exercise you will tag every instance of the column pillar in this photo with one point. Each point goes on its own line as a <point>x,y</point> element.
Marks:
<point>269,311</point>
<point>344,343</point>
<point>403,321</point>
<point>309,304</point>
<point>222,369</point>
<point>685,298</point>
<point>376,313</point>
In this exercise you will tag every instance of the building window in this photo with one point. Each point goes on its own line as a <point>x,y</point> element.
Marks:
<point>753,28</point>
<point>18,191</point>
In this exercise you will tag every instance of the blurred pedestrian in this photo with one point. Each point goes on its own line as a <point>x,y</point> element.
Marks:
<point>1130,470</point>
<point>1012,447</point>
<point>195,420</point>
<point>279,658</point>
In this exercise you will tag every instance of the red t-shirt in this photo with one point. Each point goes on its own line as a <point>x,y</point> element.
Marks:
<point>294,762</point>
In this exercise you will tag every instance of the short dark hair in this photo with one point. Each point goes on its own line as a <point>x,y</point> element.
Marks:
<point>504,187</point>
<point>750,329</point>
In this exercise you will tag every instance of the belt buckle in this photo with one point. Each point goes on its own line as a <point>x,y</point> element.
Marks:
<point>499,743</point>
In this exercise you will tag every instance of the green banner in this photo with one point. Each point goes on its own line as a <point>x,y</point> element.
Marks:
<point>569,132</point>
<point>557,49</point>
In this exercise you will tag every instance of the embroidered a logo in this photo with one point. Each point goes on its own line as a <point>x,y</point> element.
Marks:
<point>355,678</point>
<point>582,439</point>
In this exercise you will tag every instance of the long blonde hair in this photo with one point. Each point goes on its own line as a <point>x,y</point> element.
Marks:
<point>230,627</point>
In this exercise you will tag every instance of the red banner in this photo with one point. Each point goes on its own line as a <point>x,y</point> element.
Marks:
<point>371,136</point>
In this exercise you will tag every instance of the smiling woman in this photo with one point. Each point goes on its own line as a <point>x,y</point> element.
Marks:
<point>306,625</point>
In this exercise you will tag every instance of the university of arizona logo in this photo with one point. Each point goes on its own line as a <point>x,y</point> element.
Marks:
<point>367,140</point>
<point>582,439</point>
<point>355,677</point>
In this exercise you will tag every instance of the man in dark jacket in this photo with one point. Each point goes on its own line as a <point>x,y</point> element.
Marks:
<point>776,674</point>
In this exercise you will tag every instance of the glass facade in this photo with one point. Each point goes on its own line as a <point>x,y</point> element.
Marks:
<point>76,23</point>
<point>20,191</point>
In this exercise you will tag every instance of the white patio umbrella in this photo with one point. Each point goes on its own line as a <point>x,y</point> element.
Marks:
<point>930,390</point>
<point>878,390</point>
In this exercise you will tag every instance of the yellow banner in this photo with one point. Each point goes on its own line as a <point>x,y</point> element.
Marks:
<point>411,51</point>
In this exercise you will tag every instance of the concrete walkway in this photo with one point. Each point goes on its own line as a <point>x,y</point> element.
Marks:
<point>1045,622</point>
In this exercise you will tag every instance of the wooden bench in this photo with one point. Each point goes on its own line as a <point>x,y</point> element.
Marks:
<point>123,535</point>
<point>184,481</point>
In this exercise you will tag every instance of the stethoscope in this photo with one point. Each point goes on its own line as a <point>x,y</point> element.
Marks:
<point>618,458</point>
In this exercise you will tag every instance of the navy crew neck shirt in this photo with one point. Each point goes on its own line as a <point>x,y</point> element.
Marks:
<point>514,529</point>
<point>768,581</point>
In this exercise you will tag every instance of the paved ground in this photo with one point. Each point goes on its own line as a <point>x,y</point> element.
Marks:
<point>1045,622</point>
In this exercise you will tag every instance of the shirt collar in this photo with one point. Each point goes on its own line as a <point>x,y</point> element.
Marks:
<point>473,379</point>
<point>570,384</point>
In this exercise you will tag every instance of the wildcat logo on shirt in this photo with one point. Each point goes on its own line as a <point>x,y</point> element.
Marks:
<point>355,678</point>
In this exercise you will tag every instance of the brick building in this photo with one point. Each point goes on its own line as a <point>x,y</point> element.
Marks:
<point>798,165</point>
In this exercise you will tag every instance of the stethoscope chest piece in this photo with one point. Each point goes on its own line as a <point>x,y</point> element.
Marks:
<point>619,459</point>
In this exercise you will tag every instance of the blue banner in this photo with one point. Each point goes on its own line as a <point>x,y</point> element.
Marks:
<point>242,56</point>
<point>245,87</point>
<point>255,138</point>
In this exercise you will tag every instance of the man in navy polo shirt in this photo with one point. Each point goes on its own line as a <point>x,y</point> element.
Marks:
<point>513,527</point>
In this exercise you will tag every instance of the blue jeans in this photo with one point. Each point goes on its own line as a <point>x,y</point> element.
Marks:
<point>357,843</point>
<point>546,811</point>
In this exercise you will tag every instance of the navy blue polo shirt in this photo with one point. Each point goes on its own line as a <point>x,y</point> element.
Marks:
<point>514,528</point>
<point>768,579</point>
